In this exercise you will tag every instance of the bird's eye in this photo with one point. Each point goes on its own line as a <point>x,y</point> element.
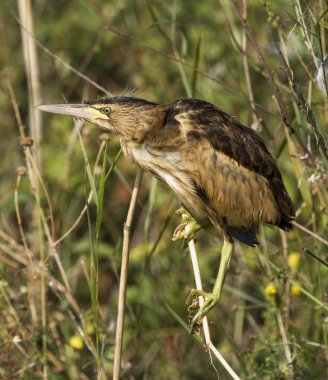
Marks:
<point>107,110</point>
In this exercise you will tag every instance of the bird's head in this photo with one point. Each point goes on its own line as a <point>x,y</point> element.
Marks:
<point>124,116</point>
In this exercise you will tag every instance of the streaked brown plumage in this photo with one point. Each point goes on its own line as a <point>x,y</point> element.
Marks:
<point>220,170</point>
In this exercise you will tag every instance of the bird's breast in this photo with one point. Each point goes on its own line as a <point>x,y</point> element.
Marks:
<point>144,155</point>
<point>167,166</point>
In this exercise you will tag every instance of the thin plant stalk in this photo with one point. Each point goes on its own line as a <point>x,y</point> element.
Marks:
<point>123,277</point>
<point>35,122</point>
<point>34,90</point>
<point>287,350</point>
<point>32,74</point>
<point>246,71</point>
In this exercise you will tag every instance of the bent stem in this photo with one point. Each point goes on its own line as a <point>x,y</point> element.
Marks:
<point>207,335</point>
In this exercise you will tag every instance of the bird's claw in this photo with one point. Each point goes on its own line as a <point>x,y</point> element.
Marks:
<point>210,300</point>
<point>187,228</point>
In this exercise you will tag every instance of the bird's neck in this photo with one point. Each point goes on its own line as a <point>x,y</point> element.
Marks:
<point>144,127</point>
<point>149,133</point>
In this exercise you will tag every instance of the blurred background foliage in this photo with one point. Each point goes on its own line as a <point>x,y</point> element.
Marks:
<point>272,319</point>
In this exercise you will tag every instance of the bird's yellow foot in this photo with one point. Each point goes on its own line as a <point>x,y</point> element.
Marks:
<point>210,300</point>
<point>187,228</point>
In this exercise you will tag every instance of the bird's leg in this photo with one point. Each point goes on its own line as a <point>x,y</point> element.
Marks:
<point>187,228</point>
<point>211,299</point>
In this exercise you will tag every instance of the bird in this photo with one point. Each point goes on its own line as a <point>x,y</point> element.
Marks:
<point>220,170</point>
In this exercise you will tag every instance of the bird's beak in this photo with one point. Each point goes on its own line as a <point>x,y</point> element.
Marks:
<point>82,111</point>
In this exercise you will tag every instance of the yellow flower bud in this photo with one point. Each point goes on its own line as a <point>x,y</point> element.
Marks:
<point>270,290</point>
<point>76,342</point>
<point>295,290</point>
<point>89,328</point>
<point>293,260</point>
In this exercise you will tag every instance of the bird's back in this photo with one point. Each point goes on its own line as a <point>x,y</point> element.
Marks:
<point>231,171</point>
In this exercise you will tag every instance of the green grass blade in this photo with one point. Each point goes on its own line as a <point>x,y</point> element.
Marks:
<point>184,79</point>
<point>156,21</point>
<point>88,171</point>
<point>103,177</point>
<point>150,208</point>
<point>113,164</point>
<point>196,64</point>
<point>174,20</point>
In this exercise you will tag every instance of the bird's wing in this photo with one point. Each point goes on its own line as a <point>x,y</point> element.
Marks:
<point>234,173</point>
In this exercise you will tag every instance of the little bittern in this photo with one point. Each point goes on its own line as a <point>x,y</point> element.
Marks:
<point>220,170</point>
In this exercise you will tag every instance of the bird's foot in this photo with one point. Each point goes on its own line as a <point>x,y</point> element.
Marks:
<point>210,300</point>
<point>187,228</point>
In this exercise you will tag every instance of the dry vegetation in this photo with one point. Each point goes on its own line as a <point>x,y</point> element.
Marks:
<point>65,191</point>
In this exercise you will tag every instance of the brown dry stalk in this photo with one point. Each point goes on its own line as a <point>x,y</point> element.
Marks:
<point>286,118</point>
<point>302,103</point>
<point>123,276</point>
<point>32,75</point>
<point>256,121</point>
